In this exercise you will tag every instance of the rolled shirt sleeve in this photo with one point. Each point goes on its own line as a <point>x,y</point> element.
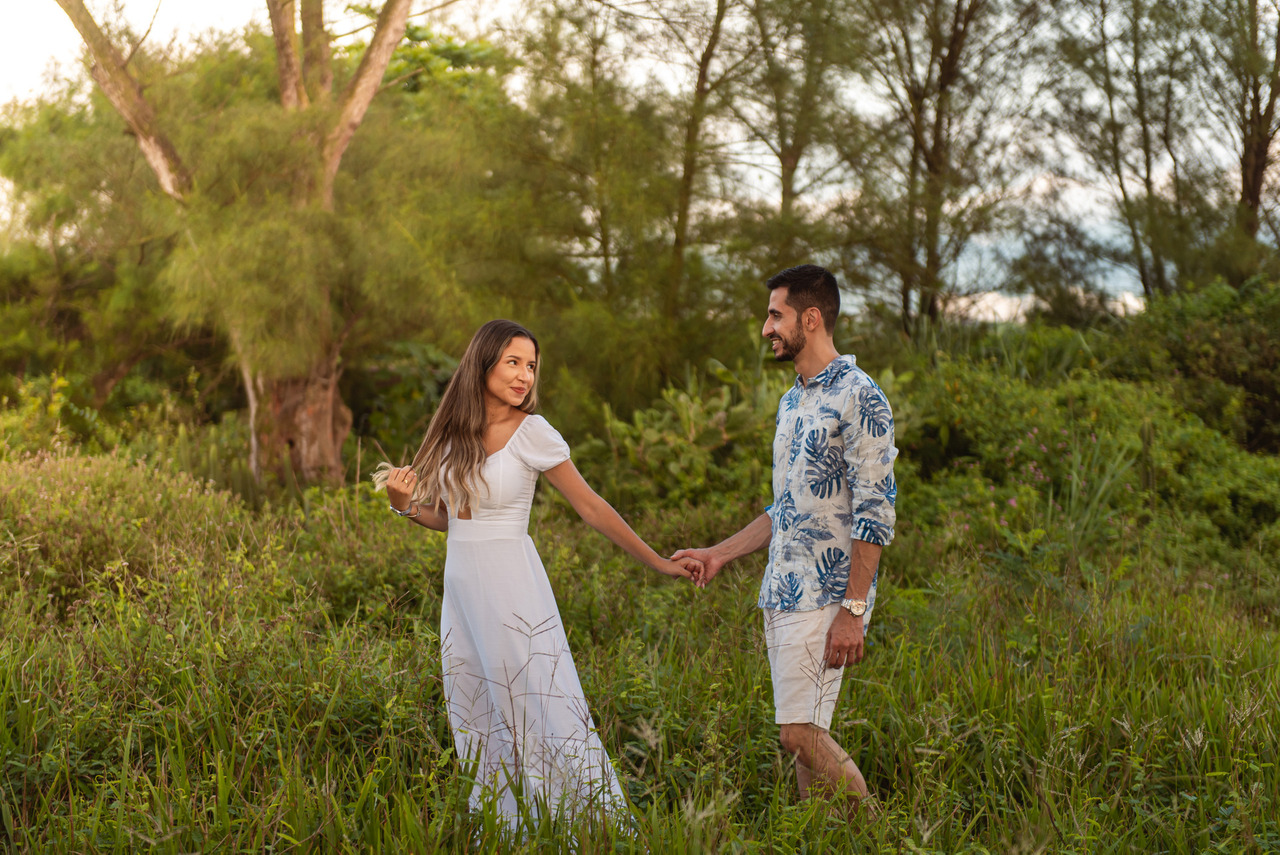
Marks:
<point>869,452</point>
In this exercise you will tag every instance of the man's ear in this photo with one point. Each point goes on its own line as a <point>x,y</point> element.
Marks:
<point>812,318</point>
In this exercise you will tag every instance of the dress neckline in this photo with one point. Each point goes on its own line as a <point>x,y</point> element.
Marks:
<point>489,457</point>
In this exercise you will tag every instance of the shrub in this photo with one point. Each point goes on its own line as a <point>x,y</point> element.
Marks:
<point>1218,345</point>
<point>76,525</point>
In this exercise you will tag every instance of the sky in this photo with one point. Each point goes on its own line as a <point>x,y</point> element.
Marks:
<point>37,34</point>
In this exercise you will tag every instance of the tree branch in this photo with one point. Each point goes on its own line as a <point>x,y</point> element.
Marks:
<point>124,93</point>
<point>360,91</point>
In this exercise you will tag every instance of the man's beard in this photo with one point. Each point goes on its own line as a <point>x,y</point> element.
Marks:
<point>790,346</point>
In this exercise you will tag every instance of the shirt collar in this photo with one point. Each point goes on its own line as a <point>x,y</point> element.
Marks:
<point>835,369</point>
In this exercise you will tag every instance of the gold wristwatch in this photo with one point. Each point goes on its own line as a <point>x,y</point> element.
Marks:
<point>857,608</point>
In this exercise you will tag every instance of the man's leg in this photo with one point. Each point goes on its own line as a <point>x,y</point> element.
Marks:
<point>805,693</point>
<point>821,762</point>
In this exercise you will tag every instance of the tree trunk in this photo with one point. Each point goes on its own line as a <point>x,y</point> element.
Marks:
<point>284,16</point>
<point>300,424</point>
<point>317,67</point>
<point>1257,122</point>
<point>690,162</point>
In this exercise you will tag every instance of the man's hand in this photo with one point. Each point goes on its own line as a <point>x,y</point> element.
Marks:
<point>844,641</point>
<point>709,564</point>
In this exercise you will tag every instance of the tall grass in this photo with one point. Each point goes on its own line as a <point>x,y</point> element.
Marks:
<point>282,692</point>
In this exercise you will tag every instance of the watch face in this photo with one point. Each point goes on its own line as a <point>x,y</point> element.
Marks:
<point>857,608</point>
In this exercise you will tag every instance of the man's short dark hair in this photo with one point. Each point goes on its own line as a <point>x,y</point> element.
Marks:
<point>810,287</point>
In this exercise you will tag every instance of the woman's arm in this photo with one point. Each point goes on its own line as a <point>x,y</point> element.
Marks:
<point>601,516</point>
<point>400,485</point>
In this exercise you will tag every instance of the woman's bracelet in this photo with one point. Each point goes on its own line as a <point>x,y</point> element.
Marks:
<point>405,512</point>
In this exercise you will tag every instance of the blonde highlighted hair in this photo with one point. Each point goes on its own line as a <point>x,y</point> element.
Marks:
<point>449,461</point>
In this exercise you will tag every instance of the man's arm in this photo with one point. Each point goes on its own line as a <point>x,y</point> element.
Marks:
<point>754,536</point>
<point>844,639</point>
<point>869,452</point>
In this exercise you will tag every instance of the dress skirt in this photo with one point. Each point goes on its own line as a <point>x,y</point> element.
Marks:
<point>516,706</point>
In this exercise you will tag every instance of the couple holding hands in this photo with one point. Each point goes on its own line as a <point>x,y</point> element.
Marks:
<point>515,703</point>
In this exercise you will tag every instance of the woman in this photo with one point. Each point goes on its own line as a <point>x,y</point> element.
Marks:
<point>516,705</point>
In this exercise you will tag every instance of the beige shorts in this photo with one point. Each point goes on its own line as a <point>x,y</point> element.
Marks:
<point>804,688</point>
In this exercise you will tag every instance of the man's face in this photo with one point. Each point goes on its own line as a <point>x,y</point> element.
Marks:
<point>782,327</point>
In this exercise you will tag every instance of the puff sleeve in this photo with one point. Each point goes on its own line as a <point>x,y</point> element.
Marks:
<point>538,445</point>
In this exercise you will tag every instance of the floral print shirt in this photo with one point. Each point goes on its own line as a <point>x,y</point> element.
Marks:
<point>833,483</point>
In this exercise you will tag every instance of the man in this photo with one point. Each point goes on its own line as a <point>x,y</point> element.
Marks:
<point>832,513</point>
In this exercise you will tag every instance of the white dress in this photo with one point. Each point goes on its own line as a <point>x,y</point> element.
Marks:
<point>516,704</point>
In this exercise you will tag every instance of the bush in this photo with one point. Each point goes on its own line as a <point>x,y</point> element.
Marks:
<point>1218,346</point>
<point>76,526</point>
<point>708,446</point>
<point>1084,468</point>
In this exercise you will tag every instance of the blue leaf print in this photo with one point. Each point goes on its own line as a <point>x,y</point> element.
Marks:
<point>874,414</point>
<point>826,465</point>
<point>884,490</point>
<point>827,411</point>
<point>816,533</point>
<point>788,402</point>
<point>797,549</point>
<point>868,506</point>
<point>796,434</point>
<point>888,487</point>
<point>872,531</point>
<point>785,513</point>
<point>787,592</point>
<point>833,571</point>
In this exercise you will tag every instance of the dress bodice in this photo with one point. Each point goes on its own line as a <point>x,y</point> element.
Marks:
<point>511,472</point>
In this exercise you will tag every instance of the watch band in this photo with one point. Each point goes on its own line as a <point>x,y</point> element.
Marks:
<point>857,608</point>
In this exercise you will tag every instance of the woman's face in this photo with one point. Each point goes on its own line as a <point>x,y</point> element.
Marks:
<point>510,380</point>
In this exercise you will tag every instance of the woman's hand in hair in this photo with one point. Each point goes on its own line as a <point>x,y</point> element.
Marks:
<point>400,486</point>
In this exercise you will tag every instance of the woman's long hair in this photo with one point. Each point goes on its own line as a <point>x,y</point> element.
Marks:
<point>449,461</point>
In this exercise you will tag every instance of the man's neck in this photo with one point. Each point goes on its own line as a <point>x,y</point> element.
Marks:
<point>816,356</point>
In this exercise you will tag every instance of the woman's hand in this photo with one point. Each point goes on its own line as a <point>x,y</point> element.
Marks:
<point>400,486</point>
<point>685,568</point>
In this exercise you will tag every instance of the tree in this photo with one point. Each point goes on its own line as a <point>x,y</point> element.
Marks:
<point>1238,52</point>
<point>78,282</point>
<point>1125,101</point>
<point>939,164</point>
<point>297,414</point>
<point>701,39</point>
<point>789,105</point>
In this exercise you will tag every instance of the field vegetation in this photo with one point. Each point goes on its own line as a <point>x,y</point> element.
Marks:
<point>1074,649</point>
